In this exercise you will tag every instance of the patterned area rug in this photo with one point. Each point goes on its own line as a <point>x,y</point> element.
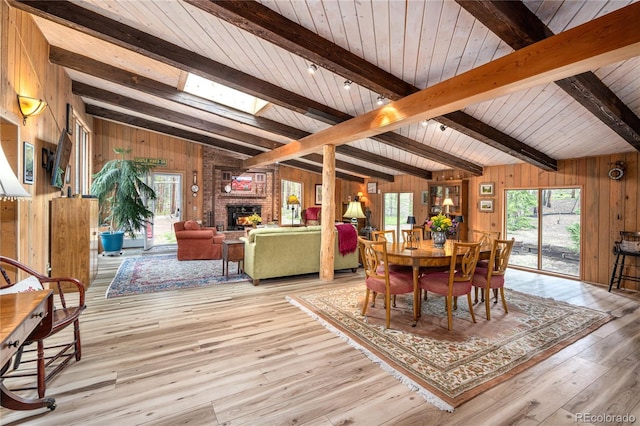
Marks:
<point>449,368</point>
<point>150,274</point>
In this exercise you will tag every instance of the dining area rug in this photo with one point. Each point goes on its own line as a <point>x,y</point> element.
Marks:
<point>150,274</point>
<point>448,368</point>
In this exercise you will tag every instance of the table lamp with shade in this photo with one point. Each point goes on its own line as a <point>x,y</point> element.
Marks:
<point>411,220</point>
<point>292,201</point>
<point>448,202</point>
<point>10,186</point>
<point>354,212</point>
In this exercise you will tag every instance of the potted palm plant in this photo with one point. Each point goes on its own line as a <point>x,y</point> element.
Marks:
<point>122,192</point>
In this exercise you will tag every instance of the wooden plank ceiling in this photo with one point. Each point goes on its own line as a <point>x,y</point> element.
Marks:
<point>129,59</point>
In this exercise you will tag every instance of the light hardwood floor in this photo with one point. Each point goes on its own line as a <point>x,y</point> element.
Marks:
<point>242,355</point>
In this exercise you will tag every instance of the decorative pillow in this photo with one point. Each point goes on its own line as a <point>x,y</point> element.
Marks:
<point>191,225</point>
<point>28,284</point>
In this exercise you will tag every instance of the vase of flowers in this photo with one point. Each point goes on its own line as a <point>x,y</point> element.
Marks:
<point>439,226</point>
<point>255,219</point>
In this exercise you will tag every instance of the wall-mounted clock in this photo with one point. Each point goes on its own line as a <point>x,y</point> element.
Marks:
<point>195,188</point>
<point>227,188</point>
<point>617,171</point>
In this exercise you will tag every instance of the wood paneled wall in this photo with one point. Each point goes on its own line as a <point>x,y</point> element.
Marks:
<point>25,69</point>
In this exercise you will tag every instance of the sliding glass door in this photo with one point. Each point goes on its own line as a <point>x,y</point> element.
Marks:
<point>546,226</point>
<point>398,206</point>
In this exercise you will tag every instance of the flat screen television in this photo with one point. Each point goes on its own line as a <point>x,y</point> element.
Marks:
<point>61,160</point>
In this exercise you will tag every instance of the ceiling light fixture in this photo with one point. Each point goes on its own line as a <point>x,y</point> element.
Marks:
<point>30,107</point>
<point>443,127</point>
<point>380,99</point>
<point>424,123</point>
<point>312,69</point>
<point>347,84</point>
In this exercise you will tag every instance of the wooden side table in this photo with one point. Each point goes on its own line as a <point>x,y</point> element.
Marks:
<point>232,251</point>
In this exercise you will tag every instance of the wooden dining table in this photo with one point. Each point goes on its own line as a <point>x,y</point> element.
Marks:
<point>425,255</point>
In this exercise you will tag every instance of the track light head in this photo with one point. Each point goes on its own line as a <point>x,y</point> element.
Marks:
<point>443,127</point>
<point>312,69</point>
<point>424,123</point>
<point>380,99</point>
<point>347,84</point>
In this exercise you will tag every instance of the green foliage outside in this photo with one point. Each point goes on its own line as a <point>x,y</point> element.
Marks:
<point>574,235</point>
<point>520,210</point>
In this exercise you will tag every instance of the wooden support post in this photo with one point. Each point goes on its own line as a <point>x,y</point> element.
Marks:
<point>328,215</point>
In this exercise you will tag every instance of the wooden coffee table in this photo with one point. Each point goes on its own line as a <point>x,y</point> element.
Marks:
<point>232,251</point>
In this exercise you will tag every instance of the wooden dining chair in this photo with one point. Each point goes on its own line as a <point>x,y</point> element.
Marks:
<point>484,237</point>
<point>487,278</point>
<point>68,305</point>
<point>388,234</point>
<point>380,278</point>
<point>457,281</point>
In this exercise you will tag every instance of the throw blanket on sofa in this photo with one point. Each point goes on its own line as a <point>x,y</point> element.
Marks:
<point>347,238</point>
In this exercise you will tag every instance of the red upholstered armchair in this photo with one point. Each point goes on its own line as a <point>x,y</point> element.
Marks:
<point>197,243</point>
<point>311,216</point>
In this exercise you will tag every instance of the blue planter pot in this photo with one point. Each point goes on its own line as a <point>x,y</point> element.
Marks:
<point>112,242</point>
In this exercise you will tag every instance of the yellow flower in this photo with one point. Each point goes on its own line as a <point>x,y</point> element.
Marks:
<point>255,218</point>
<point>439,223</point>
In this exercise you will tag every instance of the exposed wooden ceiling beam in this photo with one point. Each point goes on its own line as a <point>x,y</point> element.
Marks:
<point>263,22</point>
<point>518,26</point>
<point>482,132</point>
<point>608,39</point>
<point>154,126</point>
<point>71,15</point>
<point>172,116</point>
<point>137,82</point>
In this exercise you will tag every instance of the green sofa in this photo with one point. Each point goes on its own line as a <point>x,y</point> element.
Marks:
<point>281,252</point>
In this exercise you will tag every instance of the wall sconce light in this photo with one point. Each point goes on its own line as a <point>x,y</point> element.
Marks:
<point>347,84</point>
<point>30,107</point>
<point>312,69</point>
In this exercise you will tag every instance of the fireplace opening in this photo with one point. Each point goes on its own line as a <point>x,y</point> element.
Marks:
<point>237,216</point>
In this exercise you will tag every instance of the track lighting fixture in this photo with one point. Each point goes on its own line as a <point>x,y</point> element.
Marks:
<point>443,127</point>
<point>312,69</point>
<point>347,84</point>
<point>380,99</point>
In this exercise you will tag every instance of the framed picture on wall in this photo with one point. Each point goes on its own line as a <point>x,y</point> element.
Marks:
<point>486,189</point>
<point>29,169</point>
<point>318,194</point>
<point>486,205</point>
<point>424,198</point>
<point>372,187</point>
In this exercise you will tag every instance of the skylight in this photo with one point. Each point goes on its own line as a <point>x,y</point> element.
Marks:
<point>221,94</point>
